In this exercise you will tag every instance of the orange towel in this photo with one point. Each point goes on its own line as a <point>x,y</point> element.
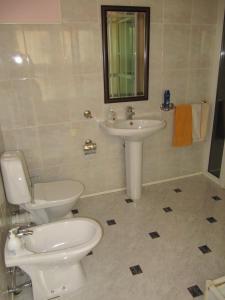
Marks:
<point>182,125</point>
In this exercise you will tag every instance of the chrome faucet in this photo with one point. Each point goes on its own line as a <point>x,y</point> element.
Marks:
<point>130,112</point>
<point>24,230</point>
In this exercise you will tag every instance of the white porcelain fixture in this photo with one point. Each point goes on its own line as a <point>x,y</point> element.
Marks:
<point>133,132</point>
<point>52,255</point>
<point>45,201</point>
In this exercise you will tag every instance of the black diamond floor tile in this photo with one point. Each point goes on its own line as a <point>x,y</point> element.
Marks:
<point>154,235</point>
<point>204,249</point>
<point>90,253</point>
<point>177,190</point>
<point>216,198</point>
<point>135,270</point>
<point>75,211</point>
<point>129,200</point>
<point>211,220</point>
<point>111,222</point>
<point>195,291</point>
<point>167,209</point>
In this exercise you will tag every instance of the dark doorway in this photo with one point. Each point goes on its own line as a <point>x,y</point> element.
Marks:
<point>218,135</point>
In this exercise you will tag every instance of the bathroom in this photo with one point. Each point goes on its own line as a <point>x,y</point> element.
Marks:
<point>52,100</point>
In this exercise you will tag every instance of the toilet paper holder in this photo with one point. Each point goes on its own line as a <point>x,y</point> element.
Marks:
<point>89,147</point>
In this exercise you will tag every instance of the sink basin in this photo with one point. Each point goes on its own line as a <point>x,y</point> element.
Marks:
<point>132,130</point>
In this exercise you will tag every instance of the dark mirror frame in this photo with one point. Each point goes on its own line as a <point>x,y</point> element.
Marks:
<point>104,10</point>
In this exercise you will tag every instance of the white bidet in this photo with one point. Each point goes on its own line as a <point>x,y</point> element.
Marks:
<point>51,254</point>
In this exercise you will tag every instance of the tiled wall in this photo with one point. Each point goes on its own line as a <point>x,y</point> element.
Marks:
<point>4,223</point>
<point>42,100</point>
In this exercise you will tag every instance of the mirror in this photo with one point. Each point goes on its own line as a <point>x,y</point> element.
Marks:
<point>125,35</point>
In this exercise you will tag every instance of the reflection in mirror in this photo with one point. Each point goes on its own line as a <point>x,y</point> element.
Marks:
<point>125,49</point>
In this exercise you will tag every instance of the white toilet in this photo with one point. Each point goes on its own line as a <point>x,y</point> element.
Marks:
<point>51,254</point>
<point>46,202</point>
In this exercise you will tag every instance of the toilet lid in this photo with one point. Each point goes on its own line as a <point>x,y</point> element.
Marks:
<point>57,191</point>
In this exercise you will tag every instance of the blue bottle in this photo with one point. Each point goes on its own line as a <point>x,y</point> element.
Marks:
<point>166,102</point>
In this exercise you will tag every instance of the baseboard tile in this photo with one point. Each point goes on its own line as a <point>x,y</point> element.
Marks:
<point>145,184</point>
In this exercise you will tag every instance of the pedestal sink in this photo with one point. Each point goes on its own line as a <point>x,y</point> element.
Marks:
<point>133,132</point>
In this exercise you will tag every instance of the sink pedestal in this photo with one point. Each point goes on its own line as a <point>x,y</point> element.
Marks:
<point>133,132</point>
<point>133,157</point>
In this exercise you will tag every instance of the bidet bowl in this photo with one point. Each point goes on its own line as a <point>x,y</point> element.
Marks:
<point>58,242</point>
<point>52,256</point>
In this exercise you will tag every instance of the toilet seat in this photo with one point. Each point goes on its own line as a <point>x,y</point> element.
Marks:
<point>55,193</point>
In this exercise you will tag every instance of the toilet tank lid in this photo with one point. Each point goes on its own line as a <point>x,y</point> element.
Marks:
<point>11,155</point>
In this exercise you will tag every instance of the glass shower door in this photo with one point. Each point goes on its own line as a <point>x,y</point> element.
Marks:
<point>218,135</point>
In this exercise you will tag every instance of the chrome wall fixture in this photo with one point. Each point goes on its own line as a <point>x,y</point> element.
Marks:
<point>167,108</point>
<point>15,288</point>
<point>88,114</point>
<point>89,147</point>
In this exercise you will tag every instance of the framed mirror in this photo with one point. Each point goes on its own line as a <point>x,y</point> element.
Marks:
<point>125,41</point>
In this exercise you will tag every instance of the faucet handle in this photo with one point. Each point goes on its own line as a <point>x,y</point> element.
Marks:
<point>130,112</point>
<point>112,115</point>
<point>130,108</point>
<point>23,231</point>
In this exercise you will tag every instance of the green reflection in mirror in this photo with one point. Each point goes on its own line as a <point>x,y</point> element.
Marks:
<point>126,42</point>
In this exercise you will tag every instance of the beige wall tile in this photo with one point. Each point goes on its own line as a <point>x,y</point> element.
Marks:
<point>199,85</point>
<point>86,47</point>
<point>7,98</point>
<point>2,148</point>
<point>45,46</point>
<point>114,2</point>
<point>156,8</point>
<point>16,104</point>
<point>170,163</point>
<point>51,99</point>
<point>76,10</point>
<point>176,82</point>
<point>204,11</point>
<point>23,105</point>
<point>25,139</point>
<point>88,94</point>
<point>155,89</point>
<point>12,53</point>
<point>192,160</point>
<point>56,144</point>
<point>156,47</point>
<point>177,11</point>
<point>176,46</point>
<point>202,45</point>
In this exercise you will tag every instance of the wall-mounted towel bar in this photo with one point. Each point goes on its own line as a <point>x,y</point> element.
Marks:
<point>172,106</point>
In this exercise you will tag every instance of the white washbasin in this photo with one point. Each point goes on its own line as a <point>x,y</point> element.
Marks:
<point>133,130</point>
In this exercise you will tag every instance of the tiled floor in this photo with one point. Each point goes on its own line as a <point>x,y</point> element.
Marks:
<point>163,247</point>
